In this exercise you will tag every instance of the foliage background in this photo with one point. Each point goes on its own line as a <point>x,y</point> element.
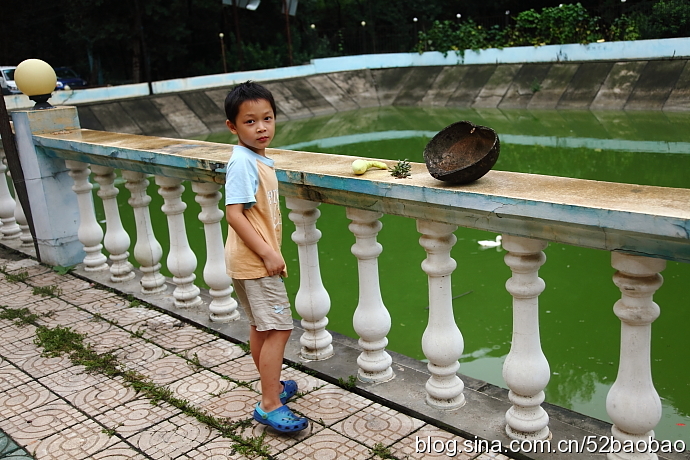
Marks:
<point>124,41</point>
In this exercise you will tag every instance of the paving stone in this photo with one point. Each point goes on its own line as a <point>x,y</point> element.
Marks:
<point>11,332</point>
<point>7,445</point>
<point>76,443</point>
<point>431,442</point>
<point>201,387</point>
<point>126,316</point>
<point>377,424</point>
<point>65,282</point>
<point>171,438</point>
<point>102,397</point>
<point>106,305</point>
<point>93,327</point>
<point>110,340</point>
<point>492,456</point>
<point>330,404</point>
<point>44,421</point>
<point>13,265</point>
<point>64,317</point>
<point>172,334</point>
<point>235,404</point>
<point>22,398</point>
<point>11,377</point>
<point>8,288</point>
<point>19,299</point>
<point>240,369</point>
<point>39,366</point>
<point>28,266</point>
<point>326,445</point>
<point>137,354</point>
<point>217,352</point>
<point>71,380</point>
<point>84,296</point>
<point>136,416</point>
<point>19,351</point>
<point>167,370</point>
<point>305,383</point>
<point>120,451</point>
<point>217,449</point>
<point>47,305</point>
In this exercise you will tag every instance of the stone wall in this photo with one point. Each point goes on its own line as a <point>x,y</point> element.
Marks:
<point>624,85</point>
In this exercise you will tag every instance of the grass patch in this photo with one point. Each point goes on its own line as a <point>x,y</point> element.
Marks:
<point>47,291</point>
<point>348,384</point>
<point>382,451</point>
<point>20,316</point>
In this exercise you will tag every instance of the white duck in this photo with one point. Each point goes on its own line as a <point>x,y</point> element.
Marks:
<point>490,244</point>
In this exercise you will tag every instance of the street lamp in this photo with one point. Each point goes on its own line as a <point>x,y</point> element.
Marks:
<point>222,52</point>
<point>36,79</point>
<point>313,26</point>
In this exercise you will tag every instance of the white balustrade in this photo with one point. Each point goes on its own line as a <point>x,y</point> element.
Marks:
<point>90,233</point>
<point>9,229</point>
<point>223,307</point>
<point>147,250</point>
<point>371,320</point>
<point>526,370</point>
<point>632,402</point>
<point>312,301</point>
<point>442,342</point>
<point>181,259</point>
<point>20,217</point>
<point>116,239</point>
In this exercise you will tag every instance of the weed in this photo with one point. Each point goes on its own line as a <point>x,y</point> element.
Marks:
<point>195,362</point>
<point>21,316</point>
<point>60,270</point>
<point>245,347</point>
<point>349,384</point>
<point>139,333</point>
<point>47,291</point>
<point>135,303</point>
<point>382,451</point>
<point>58,340</point>
<point>109,431</point>
<point>16,278</point>
<point>536,86</point>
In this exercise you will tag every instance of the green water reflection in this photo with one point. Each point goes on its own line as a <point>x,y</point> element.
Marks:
<point>580,333</point>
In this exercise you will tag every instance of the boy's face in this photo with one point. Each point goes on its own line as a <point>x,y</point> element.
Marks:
<point>254,125</point>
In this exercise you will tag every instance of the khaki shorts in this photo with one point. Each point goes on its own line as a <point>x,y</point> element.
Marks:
<point>265,303</point>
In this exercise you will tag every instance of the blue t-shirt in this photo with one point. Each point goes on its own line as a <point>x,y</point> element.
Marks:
<point>242,176</point>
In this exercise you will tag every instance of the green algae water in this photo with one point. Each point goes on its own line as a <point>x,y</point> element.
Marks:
<point>580,333</point>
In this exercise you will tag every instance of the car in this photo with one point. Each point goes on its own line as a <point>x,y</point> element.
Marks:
<point>7,80</point>
<point>68,79</point>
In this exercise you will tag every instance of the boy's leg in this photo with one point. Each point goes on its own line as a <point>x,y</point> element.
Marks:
<point>268,357</point>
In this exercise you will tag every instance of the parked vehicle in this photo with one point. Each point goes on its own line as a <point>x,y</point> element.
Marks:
<point>68,79</point>
<point>7,80</point>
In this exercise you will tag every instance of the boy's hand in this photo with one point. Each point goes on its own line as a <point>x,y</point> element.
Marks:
<point>274,262</point>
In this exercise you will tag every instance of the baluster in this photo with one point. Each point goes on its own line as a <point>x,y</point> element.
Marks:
<point>90,234</point>
<point>147,250</point>
<point>9,229</point>
<point>371,320</point>
<point>526,370</point>
<point>442,341</point>
<point>223,307</point>
<point>116,239</point>
<point>25,237</point>
<point>633,403</point>
<point>312,301</point>
<point>181,258</point>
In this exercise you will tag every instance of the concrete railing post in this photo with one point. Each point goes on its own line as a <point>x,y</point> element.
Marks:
<point>54,206</point>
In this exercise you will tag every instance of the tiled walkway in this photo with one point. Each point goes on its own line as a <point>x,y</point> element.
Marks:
<point>52,409</point>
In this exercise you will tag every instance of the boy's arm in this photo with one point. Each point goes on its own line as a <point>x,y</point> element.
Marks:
<point>273,260</point>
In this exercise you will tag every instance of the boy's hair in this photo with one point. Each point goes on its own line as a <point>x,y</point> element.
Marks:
<point>247,91</point>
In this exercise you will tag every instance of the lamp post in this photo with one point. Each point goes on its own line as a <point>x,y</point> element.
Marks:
<point>36,79</point>
<point>222,52</point>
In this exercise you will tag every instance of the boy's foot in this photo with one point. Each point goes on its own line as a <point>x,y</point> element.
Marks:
<point>281,419</point>
<point>289,390</point>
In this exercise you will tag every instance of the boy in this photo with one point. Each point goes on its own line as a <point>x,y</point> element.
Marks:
<point>253,253</point>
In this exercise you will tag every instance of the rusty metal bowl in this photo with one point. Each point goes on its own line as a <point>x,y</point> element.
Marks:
<point>462,152</point>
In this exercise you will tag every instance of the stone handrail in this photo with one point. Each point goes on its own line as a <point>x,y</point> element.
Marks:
<point>642,227</point>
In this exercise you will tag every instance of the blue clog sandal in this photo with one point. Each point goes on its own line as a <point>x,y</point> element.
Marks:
<point>281,419</point>
<point>289,390</point>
